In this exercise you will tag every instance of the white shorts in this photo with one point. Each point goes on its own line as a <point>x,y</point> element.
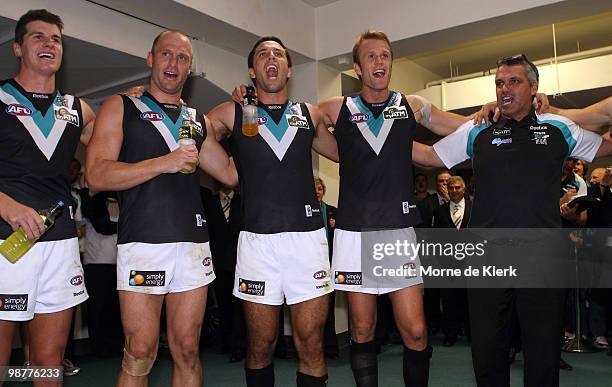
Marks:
<point>287,265</point>
<point>346,262</point>
<point>47,279</point>
<point>162,268</point>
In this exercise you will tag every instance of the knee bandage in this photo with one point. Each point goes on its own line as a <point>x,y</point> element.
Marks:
<point>134,366</point>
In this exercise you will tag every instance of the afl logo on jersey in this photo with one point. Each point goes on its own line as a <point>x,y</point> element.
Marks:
<point>151,116</point>
<point>18,110</point>
<point>261,120</point>
<point>359,118</point>
<point>76,280</point>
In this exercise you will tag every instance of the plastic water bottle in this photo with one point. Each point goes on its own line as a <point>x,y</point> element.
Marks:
<point>249,113</point>
<point>17,244</point>
<point>185,139</point>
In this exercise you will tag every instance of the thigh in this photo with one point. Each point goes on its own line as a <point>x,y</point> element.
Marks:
<point>362,314</point>
<point>262,321</point>
<point>185,313</point>
<point>308,317</point>
<point>7,331</point>
<point>408,309</point>
<point>140,314</point>
<point>48,334</point>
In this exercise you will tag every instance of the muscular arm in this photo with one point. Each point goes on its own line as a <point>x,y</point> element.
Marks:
<point>592,117</point>
<point>215,161</point>
<point>221,119</point>
<point>605,149</point>
<point>330,109</point>
<point>324,142</point>
<point>88,122</point>
<point>105,173</point>
<point>425,155</point>
<point>440,122</point>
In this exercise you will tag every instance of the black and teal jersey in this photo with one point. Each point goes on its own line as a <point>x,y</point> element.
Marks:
<point>167,208</point>
<point>275,170</point>
<point>376,183</point>
<point>39,134</point>
<point>518,166</point>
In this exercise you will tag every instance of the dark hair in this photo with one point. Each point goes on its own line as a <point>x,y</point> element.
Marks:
<point>369,35</point>
<point>532,71</point>
<point>162,33</point>
<point>35,15</point>
<point>419,175</point>
<point>267,39</point>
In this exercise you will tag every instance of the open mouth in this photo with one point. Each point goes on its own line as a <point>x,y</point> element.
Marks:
<point>271,71</point>
<point>170,74</point>
<point>506,100</point>
<point>47,55</point>
<point>379,73</point>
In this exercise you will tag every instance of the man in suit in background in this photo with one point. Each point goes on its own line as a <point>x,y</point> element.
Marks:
<point>222,211</point>
<point>455,213</point>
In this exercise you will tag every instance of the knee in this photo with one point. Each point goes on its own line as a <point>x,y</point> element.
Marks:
<point>185,350</point>
<point>310,346</point>
<point>363,331</point>
<point>415,336</point>
<point>141,349</point>
<point>261,349</point>
<point>50,357</point>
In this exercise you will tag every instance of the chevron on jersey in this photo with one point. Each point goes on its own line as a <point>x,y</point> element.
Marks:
<point>45,130</point>
<point>169,130</point>
<point>374,130</point>
<point>279,137</point>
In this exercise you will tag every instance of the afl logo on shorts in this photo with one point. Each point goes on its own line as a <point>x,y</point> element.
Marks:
<point>359,118</point>
<point>261,120</point>
<point>151,116</point>
<point>207,261</point>
<point>76,280</point>
<point>18,110</point>
<point>319,275</point>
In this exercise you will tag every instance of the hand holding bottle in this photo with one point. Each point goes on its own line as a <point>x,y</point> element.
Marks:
<point>17,215</point>
<point>182,158</point>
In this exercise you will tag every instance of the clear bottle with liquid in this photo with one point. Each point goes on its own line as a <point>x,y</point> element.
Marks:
<point>17,244</point>
<point>249,113</point>
<point>185,139</point>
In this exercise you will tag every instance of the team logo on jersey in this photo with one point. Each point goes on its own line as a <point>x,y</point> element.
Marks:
<point>261,120</point>
<point>540,138</point>
<point>18,110</point>
<point>499,141</point>
<point>359,118</point>
<point>319,275</point>
<point>63,113</point>
<point>395,113</point>
<point>347,277</point>
<point>207,261</point>
<point>502,132</point>
<point>147,278</point>
<point>13,302</point>
<point>297,121</point>
<point>406,207</point>
<point>200,220</point>
<point>539,127</point>
<point>253,288</point>
<point>76,280</point>
<point>151,116</point>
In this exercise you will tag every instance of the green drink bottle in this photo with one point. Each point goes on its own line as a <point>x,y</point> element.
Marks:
<point>186,138</point>
<point>17,244</point>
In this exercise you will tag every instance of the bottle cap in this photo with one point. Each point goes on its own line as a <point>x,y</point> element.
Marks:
<point>60,203</point>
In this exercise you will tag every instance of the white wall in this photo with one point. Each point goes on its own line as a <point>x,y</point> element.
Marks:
<point>339,23</point>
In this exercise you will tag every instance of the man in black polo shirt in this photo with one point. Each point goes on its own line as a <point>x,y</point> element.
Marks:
<point>509,197</point>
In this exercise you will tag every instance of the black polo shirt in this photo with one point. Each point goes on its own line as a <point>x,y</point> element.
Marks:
<point>518,167</point>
